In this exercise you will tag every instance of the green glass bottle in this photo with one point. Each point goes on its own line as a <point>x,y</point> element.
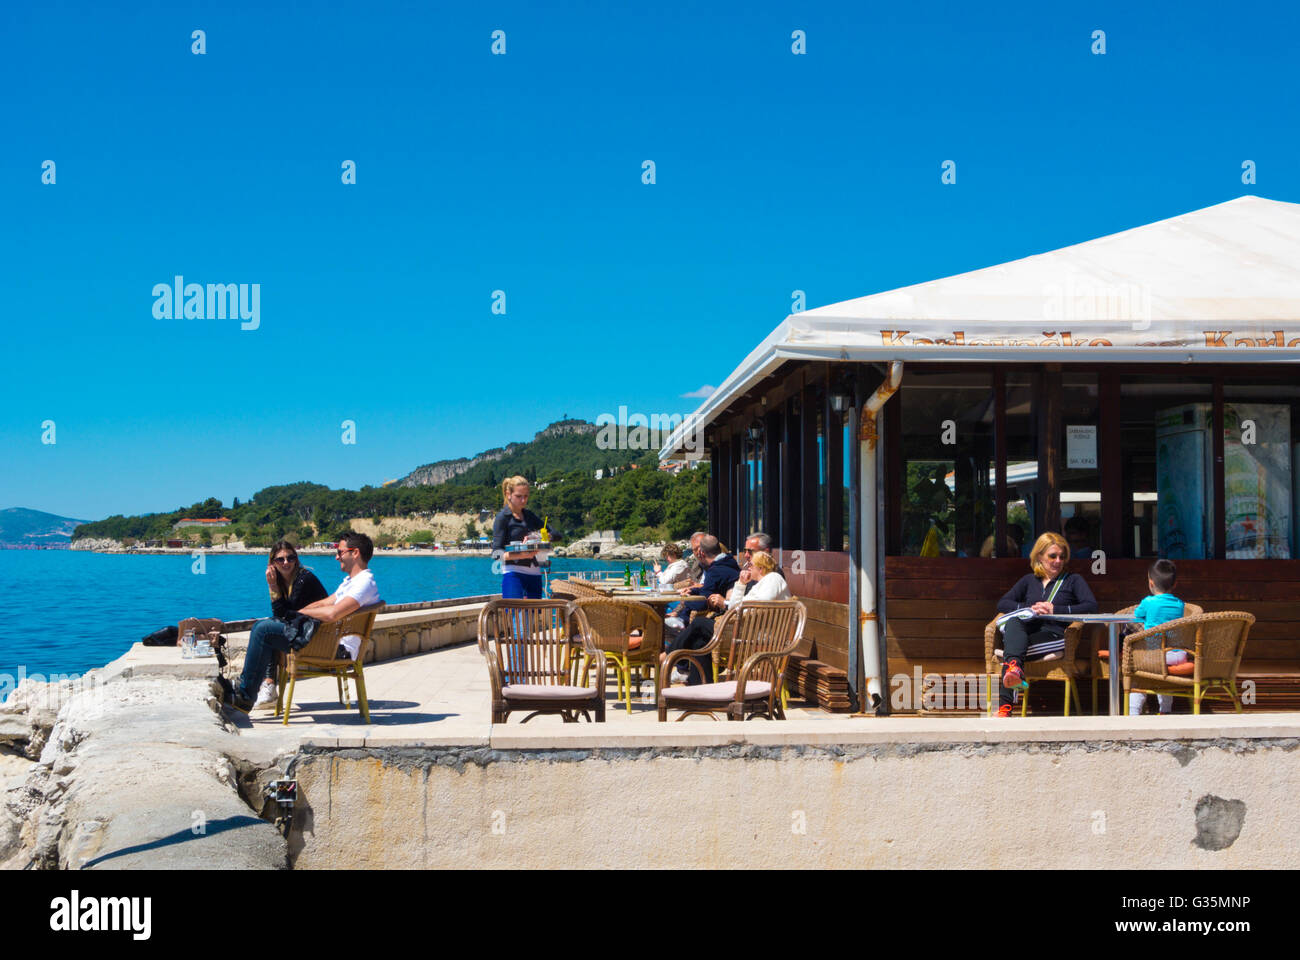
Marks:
<point>627,575</point>
<point>644,581</point>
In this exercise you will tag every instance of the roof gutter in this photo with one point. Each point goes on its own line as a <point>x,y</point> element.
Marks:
<point>870,658</point>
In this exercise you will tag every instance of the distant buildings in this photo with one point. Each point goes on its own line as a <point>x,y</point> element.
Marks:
<point>201,522</point>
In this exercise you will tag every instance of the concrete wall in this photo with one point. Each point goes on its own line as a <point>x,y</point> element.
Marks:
<point>1088,792</point>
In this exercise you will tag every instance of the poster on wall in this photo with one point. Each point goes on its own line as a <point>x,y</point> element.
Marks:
<point>1257,480</point>
<point>1081,446</point>
<point>1184,507</point>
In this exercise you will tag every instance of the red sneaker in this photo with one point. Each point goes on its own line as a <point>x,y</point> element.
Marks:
<point>1013,677</point>
<point>1004,710</point>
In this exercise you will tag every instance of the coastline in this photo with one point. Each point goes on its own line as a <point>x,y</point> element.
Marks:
<point>620,552</point>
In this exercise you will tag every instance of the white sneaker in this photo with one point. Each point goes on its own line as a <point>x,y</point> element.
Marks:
<point>265,695</point>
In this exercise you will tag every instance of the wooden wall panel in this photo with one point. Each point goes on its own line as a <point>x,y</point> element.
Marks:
<point>938,607</point>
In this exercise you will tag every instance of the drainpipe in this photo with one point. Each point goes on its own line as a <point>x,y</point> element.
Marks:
<point>873,660</point>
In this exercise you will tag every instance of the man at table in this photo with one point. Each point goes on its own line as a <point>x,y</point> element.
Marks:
<point>721,572</point>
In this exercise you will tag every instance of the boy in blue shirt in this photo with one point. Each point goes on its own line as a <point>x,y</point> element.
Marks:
<point>1160,607</point>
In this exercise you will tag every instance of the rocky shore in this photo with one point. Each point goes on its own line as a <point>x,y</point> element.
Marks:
<point>116,770</point>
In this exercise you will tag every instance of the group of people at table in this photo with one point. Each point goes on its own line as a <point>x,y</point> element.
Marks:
<point>712,581</point>
<point>721,582</point>
<point>1049,591</point>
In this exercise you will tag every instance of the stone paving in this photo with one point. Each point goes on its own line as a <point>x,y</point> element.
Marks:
<point>441,698</point>
<point>440,695</point>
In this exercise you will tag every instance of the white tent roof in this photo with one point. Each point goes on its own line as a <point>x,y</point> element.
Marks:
<point>1214,285</point>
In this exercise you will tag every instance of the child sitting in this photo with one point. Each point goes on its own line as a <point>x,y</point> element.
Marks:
<point>1160,607</point>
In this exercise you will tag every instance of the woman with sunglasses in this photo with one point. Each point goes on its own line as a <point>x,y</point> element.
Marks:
<point>1047,590</point>
<point>292,587</point>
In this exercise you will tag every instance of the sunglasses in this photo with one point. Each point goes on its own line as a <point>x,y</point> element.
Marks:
<point>286,560</point>
<point>342,550</point>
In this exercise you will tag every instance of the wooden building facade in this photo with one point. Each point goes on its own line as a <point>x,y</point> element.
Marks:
<point>1176,433</point>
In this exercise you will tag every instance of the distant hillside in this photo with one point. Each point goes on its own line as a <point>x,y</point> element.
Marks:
<point>20,527</point>
<point>633,496</point>
<point>564,446</point>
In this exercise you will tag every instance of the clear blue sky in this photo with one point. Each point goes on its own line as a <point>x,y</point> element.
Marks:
<point>522,172</point>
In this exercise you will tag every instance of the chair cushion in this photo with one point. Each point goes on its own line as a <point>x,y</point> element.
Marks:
<point>545,691</point>
<point>1187,669</point>
<point>726,690</point>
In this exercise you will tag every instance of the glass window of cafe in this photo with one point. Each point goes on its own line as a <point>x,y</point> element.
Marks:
<point>1166,453</point>
<point>1261,468</point>
<point>1154,451</point>
<point>947,458</point>
<point>1078,471</point>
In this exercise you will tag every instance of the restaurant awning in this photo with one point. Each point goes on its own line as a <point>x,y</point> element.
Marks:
<point>1215,285</point>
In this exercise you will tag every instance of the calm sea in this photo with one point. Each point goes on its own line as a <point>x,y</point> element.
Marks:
<point>70,611</point>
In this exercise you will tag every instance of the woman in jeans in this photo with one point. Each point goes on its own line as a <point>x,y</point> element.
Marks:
<point>1047,590</point>
<point>521,576</point>
<point>292,587</point>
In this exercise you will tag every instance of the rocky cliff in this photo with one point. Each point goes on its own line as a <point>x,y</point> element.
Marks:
<point>443,470</point>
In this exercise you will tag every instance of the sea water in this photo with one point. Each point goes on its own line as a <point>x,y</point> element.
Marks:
<point>68,611</point>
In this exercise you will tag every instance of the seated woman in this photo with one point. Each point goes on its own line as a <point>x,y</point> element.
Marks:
<point>767,582</point>
<point>1048,590</point>
<point>760,580</point>
<point>292,587</point>
<point>676,569</point>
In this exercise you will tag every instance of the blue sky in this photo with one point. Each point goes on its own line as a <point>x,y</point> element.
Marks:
<point>522,173</point>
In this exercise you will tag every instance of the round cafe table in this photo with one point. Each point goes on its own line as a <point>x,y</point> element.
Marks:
<point>659,599</point>
<point>1112,621</point>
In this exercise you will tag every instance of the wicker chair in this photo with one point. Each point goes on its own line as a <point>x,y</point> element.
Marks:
<point>612,622</point>
<point>1054,666</point>
<point>530,656</point>
<point>1216,640</point>
<point>580,587</point>
<point>564,590</point>
<point>1101,649</point>
<point>759,636</point>
<point>317,659</point>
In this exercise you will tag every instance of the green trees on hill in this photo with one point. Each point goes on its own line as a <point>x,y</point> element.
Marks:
<point>642,503</point>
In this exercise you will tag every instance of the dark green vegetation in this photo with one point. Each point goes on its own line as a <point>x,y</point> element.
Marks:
<point>640,501</point>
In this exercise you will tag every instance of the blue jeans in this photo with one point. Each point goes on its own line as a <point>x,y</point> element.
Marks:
<point>521,586</point>
<point>266,638</point>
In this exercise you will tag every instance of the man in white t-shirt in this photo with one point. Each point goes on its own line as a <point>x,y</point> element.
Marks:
<point>357,590</point>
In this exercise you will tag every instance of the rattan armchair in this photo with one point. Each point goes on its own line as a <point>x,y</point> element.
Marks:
<point>612,622</point>
<point>1216,642</point>
<point>529,646</point>
<point>564,590</point>
<point>1054,666</point>
<point>318,659</point>
<point>1101,649</point>
<point>759,636</point>
<point>581,587</point>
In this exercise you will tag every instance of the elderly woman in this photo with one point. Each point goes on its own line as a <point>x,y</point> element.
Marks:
<point>675,570</point>
<point>1048,590</point>
<point>767,582</point>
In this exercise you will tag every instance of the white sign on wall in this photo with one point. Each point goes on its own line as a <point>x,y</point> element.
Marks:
<point>1081,446</point>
